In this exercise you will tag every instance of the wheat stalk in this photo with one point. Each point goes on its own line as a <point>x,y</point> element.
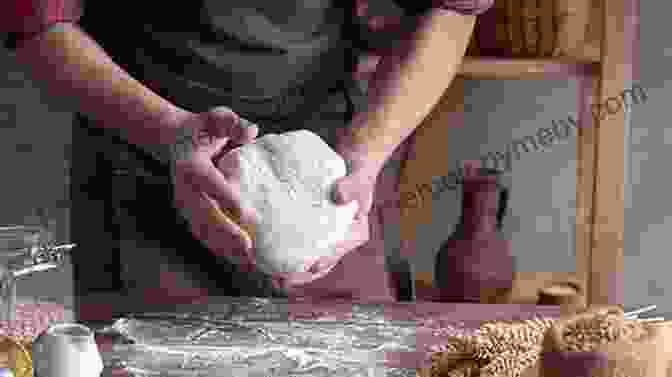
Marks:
<point>499,348</point>
<point>507,349</point>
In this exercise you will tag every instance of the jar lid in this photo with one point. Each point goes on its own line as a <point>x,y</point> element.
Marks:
<point>19,237</point>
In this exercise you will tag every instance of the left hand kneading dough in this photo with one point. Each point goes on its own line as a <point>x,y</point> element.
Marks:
<point>287,179</point>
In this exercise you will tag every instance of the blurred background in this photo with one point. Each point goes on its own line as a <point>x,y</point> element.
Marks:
<point>35,152</point>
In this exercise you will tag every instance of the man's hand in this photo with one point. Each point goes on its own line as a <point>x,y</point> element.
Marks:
<point>358,185</point>
<point>198,184</point>
<point>318,280</point>
<point>360,181</point>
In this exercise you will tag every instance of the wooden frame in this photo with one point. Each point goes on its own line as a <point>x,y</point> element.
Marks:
<point>600,147</point>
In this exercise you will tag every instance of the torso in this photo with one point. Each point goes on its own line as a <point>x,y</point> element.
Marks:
<point>243,48</point>
<point>236,53</point>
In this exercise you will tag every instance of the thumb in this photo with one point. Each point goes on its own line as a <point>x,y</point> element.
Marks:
<point>221,115</point>
<point>222,122</point>
<point>343,191</point>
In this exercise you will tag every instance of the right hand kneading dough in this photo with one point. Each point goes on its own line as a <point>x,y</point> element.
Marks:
<point>287,179</point>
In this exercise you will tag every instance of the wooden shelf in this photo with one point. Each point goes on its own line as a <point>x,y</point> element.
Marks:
<point>524,69</point>
<point>526,286</point>
<point>602,73</point>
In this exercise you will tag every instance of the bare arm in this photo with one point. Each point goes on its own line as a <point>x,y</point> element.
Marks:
<point>69,64</point>
<point>409,81</point>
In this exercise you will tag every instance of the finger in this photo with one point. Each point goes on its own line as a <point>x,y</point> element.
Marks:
<point>346,193</point>
<point>214,215</point>
<point>328,262</point>
<point>362,205</point>
<point>292,282</point>
<point>248,262</point>
<point>342,192</point>
<point>213,147</point>
<point>240,257</point>
<point>357,236</point>
<point>204,176</point>
<point>220,122</point>
<point>229,165</point>
<point>221,239</point>
<point>324,264</point>
<point>364,208</point>
<point>248,131</point>
<point>295,281</point>
<point>251,258</point>
<point>307,266</point>
<point>223,122</point>
<point>219,235</point>
<point>278,283</point>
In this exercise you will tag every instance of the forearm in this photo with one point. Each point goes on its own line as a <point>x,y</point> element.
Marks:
<point>70,65</point>
<point>409,81</point>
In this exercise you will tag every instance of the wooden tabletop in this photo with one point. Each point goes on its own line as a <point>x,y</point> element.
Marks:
<point>106,306</point>
<point>427,316</point>
<point>103,308</point>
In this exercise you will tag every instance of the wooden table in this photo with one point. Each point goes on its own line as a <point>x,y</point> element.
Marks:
<point>103,309</point>
<point>97,311</point>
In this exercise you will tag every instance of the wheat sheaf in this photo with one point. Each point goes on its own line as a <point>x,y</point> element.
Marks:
<point>509,348</point>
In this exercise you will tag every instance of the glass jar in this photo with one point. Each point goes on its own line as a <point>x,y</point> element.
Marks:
<point>17,243</point>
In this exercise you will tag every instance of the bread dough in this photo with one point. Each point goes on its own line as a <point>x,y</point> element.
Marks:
<point>287,178</point>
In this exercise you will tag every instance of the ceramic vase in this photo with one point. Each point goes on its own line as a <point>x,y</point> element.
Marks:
<point>475,264</point>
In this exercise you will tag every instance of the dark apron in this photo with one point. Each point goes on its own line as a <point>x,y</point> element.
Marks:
<point>130,238</point>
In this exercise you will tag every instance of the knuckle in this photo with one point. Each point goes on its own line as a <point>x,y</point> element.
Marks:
<point>221,109</point>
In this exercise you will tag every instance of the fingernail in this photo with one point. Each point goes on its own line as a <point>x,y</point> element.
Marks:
<point>311,267</point>
<point>246,123</point>
<point>319,267</point>
<point>327,269</point>
<point>325,265</point>
<point>337,195</point>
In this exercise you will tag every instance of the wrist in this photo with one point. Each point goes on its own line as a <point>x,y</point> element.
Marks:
<point>359,157</point>
<point>169,128</point>
<point>358,144</point>
<point>170,123</point>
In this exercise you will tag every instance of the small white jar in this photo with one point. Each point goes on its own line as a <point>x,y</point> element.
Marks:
<point>66,350</point>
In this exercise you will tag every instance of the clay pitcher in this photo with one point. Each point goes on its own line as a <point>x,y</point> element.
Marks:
<point>475,264</point>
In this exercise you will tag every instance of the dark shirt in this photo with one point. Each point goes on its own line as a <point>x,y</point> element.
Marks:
<point>24,18</point>
<point>250,54</point>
